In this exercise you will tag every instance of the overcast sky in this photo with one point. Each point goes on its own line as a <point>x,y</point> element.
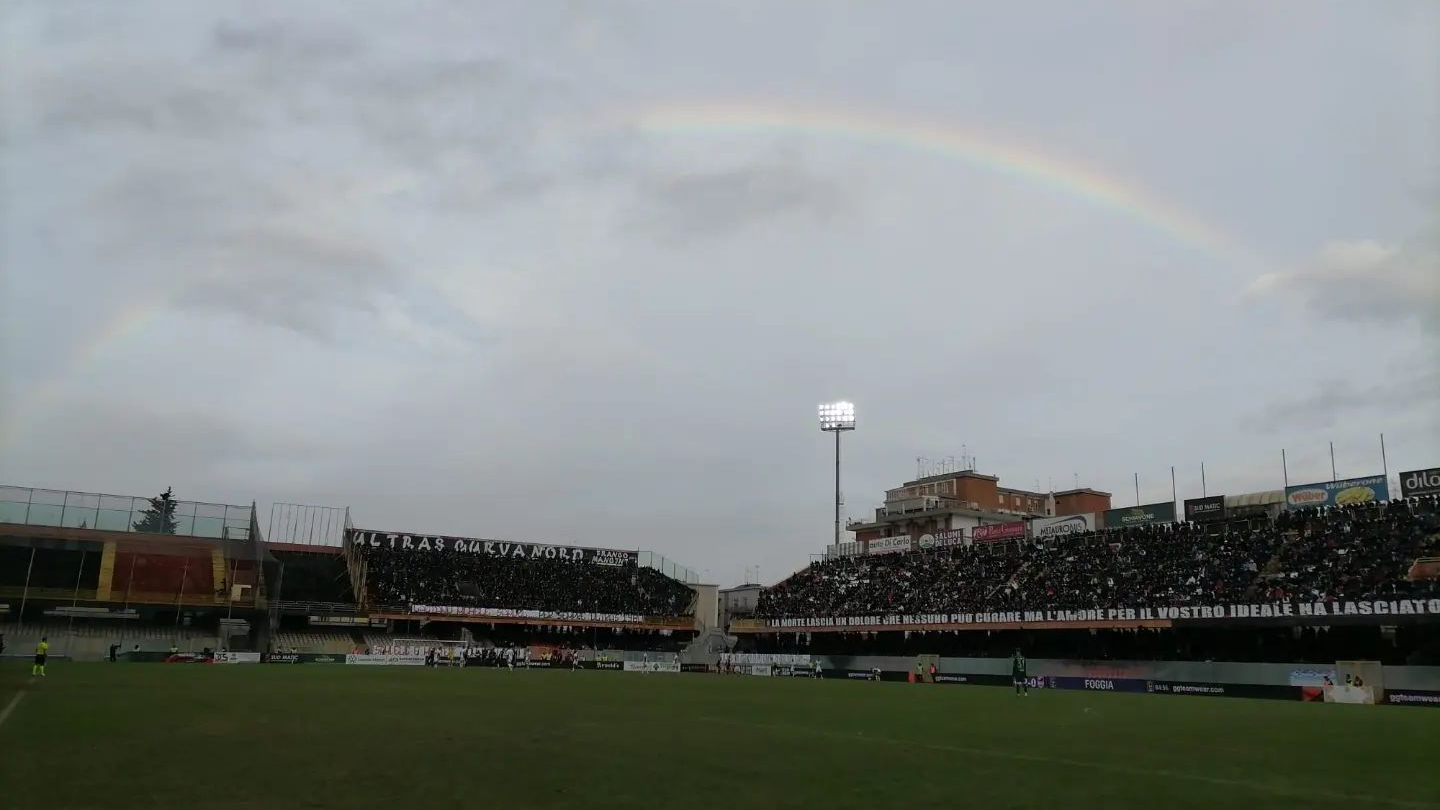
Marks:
<point>502,270</point>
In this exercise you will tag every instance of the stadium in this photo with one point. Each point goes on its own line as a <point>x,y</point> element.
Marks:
<point>406,653</point>
<point>393,394</point>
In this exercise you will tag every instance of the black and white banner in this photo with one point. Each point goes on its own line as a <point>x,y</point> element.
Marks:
<point>510,613</point>
<point>398,541</point>
<point>1266,610</point>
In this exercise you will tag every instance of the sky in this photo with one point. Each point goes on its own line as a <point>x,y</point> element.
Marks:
<point>580,272</point>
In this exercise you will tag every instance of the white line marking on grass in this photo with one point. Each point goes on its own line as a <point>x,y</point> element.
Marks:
<point>10,709</point>
<point>1099,766</point>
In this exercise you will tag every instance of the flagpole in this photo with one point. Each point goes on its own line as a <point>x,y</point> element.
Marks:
<point>1204,492</point>
<point>1333,476</point>
<point>25,594</point>
<point>1284,468</point>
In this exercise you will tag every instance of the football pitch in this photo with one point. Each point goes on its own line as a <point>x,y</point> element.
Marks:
<point>315,736</point>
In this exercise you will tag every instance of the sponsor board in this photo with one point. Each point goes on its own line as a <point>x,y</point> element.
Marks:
<point>1060,526</point>
<point>326,659</point>
<point>998,531</point>
<point>1097,684</point>
<point>237,658</point>
<point>364,659</point>
<point>1312,677</point>
<point>652,666</point>
<point>1415,483</point>
<point>1338,493</point>
<point>615,665</point>
<point>694,668</point>
<point>944,539</point>
<point>508,613</point>
<point>1201,509</point>
<point>1410,697</point>
<point>1163,512</point>
<point>1299,611</point>
<point>888,545</point>
<point>281,658</point>
<point>399,541</point>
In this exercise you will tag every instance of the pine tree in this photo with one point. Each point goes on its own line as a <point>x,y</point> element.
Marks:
<point>160,517</point>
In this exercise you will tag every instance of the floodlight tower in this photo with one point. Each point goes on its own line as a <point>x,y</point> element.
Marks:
<point>837,417</point>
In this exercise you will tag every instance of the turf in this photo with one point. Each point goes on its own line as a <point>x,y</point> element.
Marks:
<point>317,736</point>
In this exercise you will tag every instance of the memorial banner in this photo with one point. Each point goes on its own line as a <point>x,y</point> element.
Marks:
<point>1300,612</point>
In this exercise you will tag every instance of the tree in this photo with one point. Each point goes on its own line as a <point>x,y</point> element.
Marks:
<point>160,517</point>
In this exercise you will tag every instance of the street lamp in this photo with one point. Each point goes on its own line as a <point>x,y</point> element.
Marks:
<point>837,417</point>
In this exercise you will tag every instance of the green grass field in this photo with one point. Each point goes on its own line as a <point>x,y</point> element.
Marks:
<point>316,736</point>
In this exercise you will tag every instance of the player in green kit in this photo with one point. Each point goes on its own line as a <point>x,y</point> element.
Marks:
<point>41,651</point>
<point>1017,673</point>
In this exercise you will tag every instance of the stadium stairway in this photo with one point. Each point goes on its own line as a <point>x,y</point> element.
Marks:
<point>706,647</point>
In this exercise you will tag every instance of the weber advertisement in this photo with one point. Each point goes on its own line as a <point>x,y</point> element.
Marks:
<point>998,531</point>
<point>395,541</point>
<point>1348,492</point>
<point>1415,483</point>
<point>1060,526</point>
<point>1163,512</point>
<point>1201,509</point>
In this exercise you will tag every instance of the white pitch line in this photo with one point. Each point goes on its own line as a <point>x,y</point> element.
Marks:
<point>1099,766</point>
<point>10,709</point>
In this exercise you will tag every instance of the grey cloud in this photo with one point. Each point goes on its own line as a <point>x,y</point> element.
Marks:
<point>714,204</point>
<point>1335,400</point>
<point>286,42</point>
<point>148,99</point>
<point>140,449</point>
<point>1366,282</point>
<point>290,279</point>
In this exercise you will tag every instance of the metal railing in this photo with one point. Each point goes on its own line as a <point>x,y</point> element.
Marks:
<point>29,506</point>
<point>671,569</point>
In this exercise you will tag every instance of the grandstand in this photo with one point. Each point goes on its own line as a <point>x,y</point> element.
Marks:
<point>155,574</point>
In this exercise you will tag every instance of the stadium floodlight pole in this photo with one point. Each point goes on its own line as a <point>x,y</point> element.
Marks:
<point>837,417</point>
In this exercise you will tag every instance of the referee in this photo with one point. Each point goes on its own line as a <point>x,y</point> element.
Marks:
<point>41,651</point>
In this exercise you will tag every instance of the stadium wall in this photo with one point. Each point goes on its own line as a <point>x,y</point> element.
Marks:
<point>1416,678</point>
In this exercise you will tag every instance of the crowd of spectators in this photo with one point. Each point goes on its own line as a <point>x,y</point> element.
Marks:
<point>1344,553</point>
<point>405,577</point>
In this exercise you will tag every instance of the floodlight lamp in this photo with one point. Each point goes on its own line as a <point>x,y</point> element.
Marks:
<point>837,416</point>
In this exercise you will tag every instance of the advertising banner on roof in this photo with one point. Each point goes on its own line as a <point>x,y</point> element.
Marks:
<point>1060,526</point>
<point>1415,483</point>
<point>1163,512</point>
<point>998,531</point>
<point>1347,492</point>
<point>889,545</point>
<point>1201,509</point>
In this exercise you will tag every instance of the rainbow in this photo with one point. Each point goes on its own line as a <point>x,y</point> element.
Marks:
<point>986,151</point>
